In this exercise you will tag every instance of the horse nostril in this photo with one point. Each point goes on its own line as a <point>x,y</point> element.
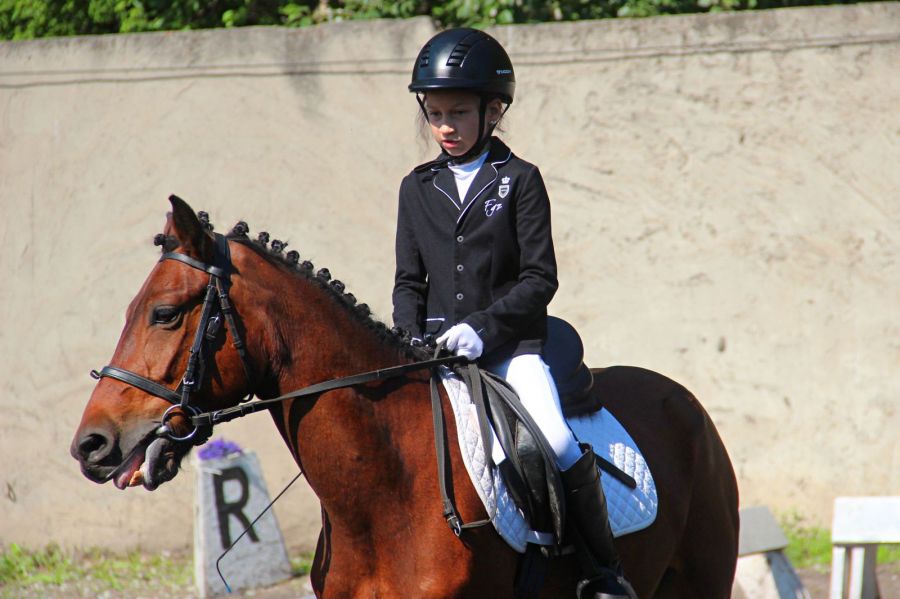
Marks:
<point>93,447</point>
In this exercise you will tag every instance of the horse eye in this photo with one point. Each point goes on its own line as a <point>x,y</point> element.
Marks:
<point>165,315</point>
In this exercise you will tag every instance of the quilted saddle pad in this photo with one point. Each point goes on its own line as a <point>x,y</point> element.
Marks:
<point>630,510</point>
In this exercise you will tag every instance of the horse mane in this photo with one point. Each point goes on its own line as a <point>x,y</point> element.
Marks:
<point>273,252</point>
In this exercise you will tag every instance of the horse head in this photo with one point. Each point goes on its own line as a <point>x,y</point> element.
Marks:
<point>171,361</point>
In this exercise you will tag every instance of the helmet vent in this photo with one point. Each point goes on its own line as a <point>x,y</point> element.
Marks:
<point>425,56</point>
<point>458,55</point>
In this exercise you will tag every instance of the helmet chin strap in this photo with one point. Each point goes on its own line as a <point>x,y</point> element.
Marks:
<point>476,149</point>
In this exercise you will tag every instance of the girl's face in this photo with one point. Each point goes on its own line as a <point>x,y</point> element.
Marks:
<point>453,118</point>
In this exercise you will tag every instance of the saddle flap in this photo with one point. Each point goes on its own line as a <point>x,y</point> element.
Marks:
<point>530,456</point>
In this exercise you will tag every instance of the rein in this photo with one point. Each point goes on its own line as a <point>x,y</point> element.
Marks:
<point>228,414</point>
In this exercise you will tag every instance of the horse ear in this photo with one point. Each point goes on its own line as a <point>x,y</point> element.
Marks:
<point>185,226</point>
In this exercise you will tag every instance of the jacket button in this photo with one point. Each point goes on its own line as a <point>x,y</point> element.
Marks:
<point>459,296</point>
<point>459,267</point>
<point>459,238</point>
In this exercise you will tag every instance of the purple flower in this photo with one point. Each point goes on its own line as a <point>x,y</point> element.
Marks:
<point>218,449</point>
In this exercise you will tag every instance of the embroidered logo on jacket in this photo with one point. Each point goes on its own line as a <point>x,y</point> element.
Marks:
<point>503,190</point>
<point>491,207</point>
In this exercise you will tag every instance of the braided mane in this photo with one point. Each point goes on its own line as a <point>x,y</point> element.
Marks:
<point>273,252</point>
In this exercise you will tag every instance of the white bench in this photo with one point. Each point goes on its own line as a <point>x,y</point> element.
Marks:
<point>860,525</point>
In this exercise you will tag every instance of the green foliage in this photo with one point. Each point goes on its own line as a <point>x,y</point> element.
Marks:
<point>26,19</point>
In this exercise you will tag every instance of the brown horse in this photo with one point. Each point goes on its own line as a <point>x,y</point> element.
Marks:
<point>367,451</point>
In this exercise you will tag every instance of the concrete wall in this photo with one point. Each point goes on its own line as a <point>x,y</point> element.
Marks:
<point>726,198</point>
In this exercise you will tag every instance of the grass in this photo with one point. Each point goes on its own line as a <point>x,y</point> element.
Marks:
<point>810,546</point>
<point>50,565</point>
<point>301,564</point>
<point>88,573</point>
<point>25,572</point>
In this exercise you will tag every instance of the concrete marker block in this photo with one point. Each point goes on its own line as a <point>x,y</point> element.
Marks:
<point>767,575</point>
<point>763,571</point>
<point>229,493</point>
<point>759,531</point>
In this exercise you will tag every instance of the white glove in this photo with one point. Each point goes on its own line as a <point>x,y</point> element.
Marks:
<point>463,340</point>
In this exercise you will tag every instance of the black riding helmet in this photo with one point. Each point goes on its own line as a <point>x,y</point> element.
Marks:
<point>465,59</point>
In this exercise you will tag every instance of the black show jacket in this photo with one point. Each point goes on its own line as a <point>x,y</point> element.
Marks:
<point>487,261</point>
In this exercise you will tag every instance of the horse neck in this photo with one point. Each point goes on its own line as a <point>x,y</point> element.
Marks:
<point>301,332</point>
<point>355,445</point>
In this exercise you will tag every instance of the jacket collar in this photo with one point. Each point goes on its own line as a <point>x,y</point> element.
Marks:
<point>498,153</point>
<point>442,178</point>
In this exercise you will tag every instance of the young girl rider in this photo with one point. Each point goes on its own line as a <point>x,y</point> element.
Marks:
<point>476,266</point>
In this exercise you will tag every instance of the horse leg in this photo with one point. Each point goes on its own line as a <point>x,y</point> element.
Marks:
<point>413,553</point>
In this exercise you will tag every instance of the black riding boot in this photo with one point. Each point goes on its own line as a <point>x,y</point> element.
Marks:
<point>588,518</point>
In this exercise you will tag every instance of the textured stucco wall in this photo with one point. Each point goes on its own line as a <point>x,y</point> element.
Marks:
<point>726,198</point>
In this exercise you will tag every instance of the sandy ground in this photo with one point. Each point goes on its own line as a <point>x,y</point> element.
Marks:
<point>816,582</point>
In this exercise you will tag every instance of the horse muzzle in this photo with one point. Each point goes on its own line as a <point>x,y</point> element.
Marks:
<point>148,459</point>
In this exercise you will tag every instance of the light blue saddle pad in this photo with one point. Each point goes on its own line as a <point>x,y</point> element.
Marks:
<point>630,510</point>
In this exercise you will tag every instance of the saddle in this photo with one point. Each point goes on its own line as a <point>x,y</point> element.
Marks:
<point>532,480</point>
<point>530,472</point>
<point>564,354</point>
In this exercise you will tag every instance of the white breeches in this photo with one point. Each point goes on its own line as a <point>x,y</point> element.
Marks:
<point>530,377</point>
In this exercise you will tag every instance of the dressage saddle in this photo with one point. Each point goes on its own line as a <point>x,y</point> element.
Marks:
<point>564,354</point>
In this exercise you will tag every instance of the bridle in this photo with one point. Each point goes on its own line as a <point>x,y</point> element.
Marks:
<point>216,306</point>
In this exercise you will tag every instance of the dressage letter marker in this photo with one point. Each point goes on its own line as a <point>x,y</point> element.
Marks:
<point>226,509</point>
<point>229,494</point>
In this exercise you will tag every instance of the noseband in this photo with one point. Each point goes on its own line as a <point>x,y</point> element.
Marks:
<point>216,306</point>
